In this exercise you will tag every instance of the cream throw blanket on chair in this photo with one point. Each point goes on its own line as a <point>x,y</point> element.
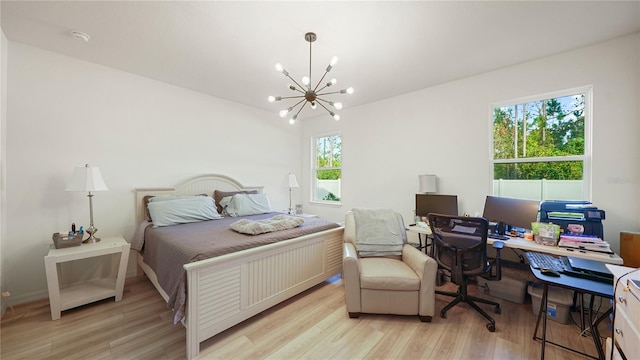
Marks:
<point>379,232</point>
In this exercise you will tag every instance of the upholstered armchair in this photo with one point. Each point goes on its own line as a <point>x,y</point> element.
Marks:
<point>395,284</point>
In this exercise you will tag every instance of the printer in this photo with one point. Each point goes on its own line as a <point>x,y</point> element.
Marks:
<point>568,212</point>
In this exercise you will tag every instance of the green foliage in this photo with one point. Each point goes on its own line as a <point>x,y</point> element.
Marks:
<point>329,157</point>
<point>329,161</point>
<point>548,128</point>
<point>331,197</point>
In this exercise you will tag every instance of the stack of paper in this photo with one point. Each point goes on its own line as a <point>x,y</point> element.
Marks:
<point>587,243</point>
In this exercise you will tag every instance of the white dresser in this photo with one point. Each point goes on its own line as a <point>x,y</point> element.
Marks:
<point>626,335</point>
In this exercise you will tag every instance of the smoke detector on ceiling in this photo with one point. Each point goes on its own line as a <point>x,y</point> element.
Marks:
<point>81,36</point>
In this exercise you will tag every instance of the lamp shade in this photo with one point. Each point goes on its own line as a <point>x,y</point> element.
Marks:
<point>427,183</point>
<point>291,181</point>
<point>86,178</point>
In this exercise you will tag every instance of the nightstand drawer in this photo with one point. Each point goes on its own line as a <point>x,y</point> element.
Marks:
<point>626,336</point>
<point>627,301</point>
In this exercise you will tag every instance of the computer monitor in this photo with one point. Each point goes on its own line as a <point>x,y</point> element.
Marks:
<point>439,204</point>
<point>511,211</point>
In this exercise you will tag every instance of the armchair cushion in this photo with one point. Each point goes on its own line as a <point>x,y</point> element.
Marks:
<point>387,274</point>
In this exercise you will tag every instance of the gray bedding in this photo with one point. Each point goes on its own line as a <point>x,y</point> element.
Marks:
<point>166,249</point>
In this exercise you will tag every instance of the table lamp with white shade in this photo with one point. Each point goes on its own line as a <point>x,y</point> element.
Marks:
<point>427,183</point>
<point>291,182</point>
<point>88,179</point>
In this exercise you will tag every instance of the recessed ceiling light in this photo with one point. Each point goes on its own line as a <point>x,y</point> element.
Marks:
<point>81,36</point>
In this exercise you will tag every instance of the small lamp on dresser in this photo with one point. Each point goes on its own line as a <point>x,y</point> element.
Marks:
<point>88,179</point>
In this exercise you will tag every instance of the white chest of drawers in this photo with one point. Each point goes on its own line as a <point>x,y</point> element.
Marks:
<point>626,337</point>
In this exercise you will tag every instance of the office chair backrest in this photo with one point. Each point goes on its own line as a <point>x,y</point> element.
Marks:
<point>460,239</point>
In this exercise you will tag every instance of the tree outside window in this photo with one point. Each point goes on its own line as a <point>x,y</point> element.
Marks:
<point>542,141</point>
<point>327,168</point>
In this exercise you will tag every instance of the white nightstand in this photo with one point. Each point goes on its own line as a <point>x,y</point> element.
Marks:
<point>89,291</point>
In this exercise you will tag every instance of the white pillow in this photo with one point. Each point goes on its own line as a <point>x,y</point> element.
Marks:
<point>246,204</point>
<point>180,210</point>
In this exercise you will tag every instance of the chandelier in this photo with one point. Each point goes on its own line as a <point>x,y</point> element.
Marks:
<point>308,94</point>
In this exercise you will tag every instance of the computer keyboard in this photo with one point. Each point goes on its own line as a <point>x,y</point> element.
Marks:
<point>562,265</point>
<point>545,261</point>
<point>498,237</point>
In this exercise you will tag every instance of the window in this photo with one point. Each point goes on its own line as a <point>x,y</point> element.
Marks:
<point>541,146</point>
<point>327,168</point>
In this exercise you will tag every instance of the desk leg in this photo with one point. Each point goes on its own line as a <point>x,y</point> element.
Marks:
<point>428,245</point>
<point>593,327</point>
<point>542,314</point>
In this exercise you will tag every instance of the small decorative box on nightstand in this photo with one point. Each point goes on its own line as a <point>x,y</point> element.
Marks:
<point>66,298</point>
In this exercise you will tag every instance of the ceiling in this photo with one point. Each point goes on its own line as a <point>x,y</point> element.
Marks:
<point>386,48</point>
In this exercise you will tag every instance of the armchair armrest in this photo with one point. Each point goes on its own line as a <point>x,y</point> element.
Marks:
<point>427,270</point>
<point>351,277</point>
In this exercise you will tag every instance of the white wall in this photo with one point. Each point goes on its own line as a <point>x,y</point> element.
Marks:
<point>445,130</point>
<point>3,124</point>
<point>63,112</point>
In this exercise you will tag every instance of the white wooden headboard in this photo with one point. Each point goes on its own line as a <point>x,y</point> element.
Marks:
<point>202,184</point>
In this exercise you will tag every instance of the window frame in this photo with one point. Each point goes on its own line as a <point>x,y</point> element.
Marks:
<point>586,158</point>
<point>315,168</point>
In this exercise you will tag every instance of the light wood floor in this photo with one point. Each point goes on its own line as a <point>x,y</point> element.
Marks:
<point>312,325</point>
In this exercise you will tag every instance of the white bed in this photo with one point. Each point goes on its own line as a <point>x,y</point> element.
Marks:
<point>228,289</point>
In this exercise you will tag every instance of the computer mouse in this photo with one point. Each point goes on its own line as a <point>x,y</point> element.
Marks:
<point>549,272</point>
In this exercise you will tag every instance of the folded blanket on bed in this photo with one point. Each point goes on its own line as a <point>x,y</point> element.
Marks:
<point>379,232</point>
<point>276,223</point>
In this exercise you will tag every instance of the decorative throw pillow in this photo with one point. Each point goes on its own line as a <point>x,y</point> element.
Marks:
<point>219,195</point>
<point>276,223</point>
<point>246,204</point>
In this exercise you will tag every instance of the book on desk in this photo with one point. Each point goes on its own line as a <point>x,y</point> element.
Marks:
<point>582,242</point>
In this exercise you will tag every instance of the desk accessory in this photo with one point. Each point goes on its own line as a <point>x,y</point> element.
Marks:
<point>66,240</point>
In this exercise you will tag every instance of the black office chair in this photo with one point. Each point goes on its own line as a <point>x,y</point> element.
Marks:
<point>460,246</point>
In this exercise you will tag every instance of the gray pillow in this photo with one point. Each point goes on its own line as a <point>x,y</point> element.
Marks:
<point>181,210</point>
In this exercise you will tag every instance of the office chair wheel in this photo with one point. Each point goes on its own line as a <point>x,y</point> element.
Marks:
<point>443,314</point>
<point>491,327</point>
<point>498,310</point>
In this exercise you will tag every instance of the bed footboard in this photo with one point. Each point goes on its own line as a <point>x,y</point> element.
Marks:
<point>226,290</point>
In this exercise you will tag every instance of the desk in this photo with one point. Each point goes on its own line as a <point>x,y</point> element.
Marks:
<point>426,231</point>
<point>527,245</point>
<point>530,245</point>
<point>581,286</point>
